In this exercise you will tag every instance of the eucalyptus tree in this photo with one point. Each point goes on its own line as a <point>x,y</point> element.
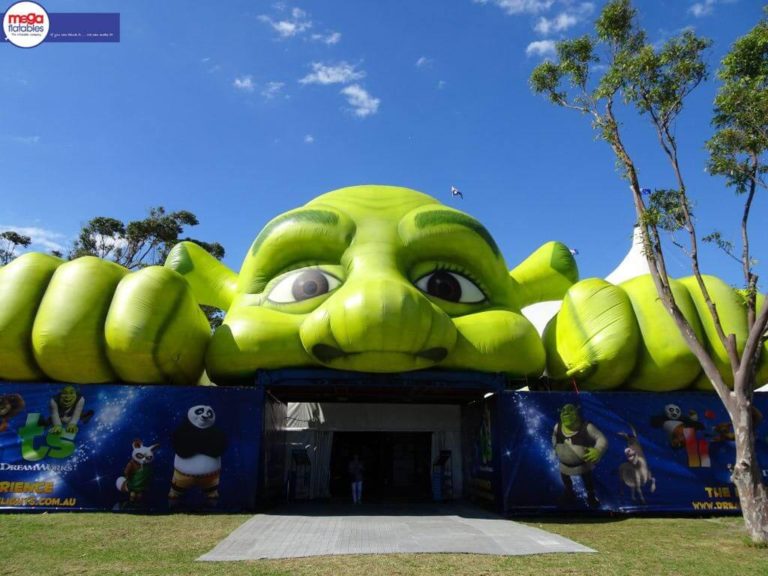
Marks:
<point>10,240</point>
<point>615,70</point>
<point>140,243</point>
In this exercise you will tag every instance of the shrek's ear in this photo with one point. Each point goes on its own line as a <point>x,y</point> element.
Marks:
<point>213,284</point>
<point>546,274</point>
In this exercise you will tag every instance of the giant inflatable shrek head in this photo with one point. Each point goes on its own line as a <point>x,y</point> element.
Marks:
<point>376,279</point>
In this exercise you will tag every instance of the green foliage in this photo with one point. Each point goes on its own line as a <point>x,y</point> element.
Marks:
<point>737,149</point>
<point>9,241</point>
<point>575,57</point>
<point>616,24</point>
<point>717,239</point>
<point>545,79</point>
<point>101,237</point>
<point>657,82</point>
<point>139,243</point>
<point>143,243</point>
<point>666,209</point>
<point>654,80</point>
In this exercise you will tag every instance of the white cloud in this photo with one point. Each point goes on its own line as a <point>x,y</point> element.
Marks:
<point>568,19</point>
<point>423,62</point>
<point>441,84</point>
<point>309,139</point>
<point>541,48</point>
<point>210,66</point>
<point>561,22</point>
<point>41,238</point>
<point>512,7</point>
<point>297,23</point>
<point>341,73</point>
<point>272,90</point>
<point>363,104</point>
<point>701,9</point>
<point>28,140</point>
<point>329,38</point>
<point>244,83</point>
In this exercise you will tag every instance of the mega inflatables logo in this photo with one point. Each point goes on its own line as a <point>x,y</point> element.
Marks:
<point>26,24</point>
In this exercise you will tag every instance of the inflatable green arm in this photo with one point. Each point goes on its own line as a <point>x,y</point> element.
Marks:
<point>212,283</point>
<point>91,321</point>
<point>547,274</point>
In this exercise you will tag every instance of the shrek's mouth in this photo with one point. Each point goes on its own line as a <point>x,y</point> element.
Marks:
<point>326,353</point>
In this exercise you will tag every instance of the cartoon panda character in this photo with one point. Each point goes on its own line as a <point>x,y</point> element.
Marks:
<point>674,424</point>
<point>682,432</point>
<point>138,472</point>
<point>198,447</point>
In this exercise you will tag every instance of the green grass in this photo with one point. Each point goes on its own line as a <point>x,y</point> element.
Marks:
<point>103,544</point>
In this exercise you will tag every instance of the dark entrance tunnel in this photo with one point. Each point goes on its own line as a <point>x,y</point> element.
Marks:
<point>397,464</point>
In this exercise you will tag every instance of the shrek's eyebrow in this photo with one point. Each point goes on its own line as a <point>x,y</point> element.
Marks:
<point>442,217</point>
<point>321,217</point>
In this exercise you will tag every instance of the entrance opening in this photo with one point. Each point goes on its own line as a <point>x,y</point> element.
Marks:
<point>397,464</point>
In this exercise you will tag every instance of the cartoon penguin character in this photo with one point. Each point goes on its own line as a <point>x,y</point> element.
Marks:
<point>198,447</point>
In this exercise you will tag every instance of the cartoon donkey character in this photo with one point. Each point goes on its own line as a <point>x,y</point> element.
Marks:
<point>635,472</point>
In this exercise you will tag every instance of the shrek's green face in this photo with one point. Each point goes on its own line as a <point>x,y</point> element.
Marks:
<point>375,279</point>
<point>570,417</point>
<point>68,395</point>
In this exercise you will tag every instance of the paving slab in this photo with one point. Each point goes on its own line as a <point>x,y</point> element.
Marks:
<point>325,529</point>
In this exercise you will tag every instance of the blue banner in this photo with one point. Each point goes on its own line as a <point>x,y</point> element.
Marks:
<point>620,452</point>
<point>85,27</point>
<point>118,447</point>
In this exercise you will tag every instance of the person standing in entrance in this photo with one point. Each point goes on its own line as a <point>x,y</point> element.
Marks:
<point>356,469</point>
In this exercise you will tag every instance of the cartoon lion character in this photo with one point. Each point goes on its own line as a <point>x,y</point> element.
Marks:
<point>10,405</point>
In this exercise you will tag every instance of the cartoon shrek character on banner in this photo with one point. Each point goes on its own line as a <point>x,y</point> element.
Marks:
<point>66,411</point>
<point>579,445</point>
<point>366,278</point>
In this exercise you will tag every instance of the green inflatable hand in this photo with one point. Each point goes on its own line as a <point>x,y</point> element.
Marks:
<point>90,321</point>
<point>608,336</point>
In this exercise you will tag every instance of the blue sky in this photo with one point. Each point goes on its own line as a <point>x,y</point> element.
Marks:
<point>238,111</point>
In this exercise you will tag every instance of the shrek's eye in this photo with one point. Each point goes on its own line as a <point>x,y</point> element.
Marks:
<point>302,285</point>
<point>450,286</point>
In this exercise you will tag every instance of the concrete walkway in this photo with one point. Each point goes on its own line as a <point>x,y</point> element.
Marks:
<point>322,529</point>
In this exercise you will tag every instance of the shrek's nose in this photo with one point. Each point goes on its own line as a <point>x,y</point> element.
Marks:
<point>379,321</point>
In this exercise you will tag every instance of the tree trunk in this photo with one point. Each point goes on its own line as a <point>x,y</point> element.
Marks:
<point>747,473</point>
